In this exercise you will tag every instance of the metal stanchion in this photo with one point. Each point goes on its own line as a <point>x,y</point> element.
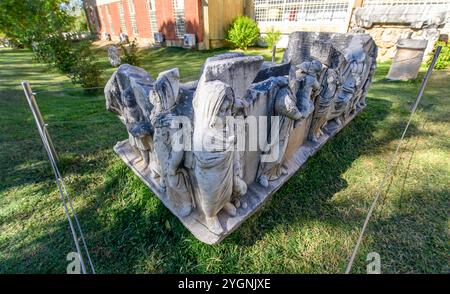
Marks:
<point>65,198</point>
<point>38,117</point>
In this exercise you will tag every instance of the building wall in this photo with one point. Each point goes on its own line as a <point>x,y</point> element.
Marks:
<point>164,17</point>
<point>114,9</point>
<point>126,12</point>
<point>143,20</point>
<point>193,18</point>
<point>221,14</point>
<point>166,24</point>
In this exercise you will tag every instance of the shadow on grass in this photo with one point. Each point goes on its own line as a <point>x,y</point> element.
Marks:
<point>129,229</point>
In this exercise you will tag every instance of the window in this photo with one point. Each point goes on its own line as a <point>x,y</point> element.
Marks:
<point>151,7</point>
<point>178,15</point>
<point>133,17</point>
<point>301,10</point>
<point>123,26</point>
<point>108,13</point>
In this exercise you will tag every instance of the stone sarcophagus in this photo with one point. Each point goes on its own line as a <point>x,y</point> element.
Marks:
<point>215,149</point>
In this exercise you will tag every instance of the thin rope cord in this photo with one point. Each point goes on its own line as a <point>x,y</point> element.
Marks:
<point>391,179</point>
<point>73,212</point>
<point>67,90</point>
<point>66,210</point>
<point>60,184</point>
<point>390,165</point>
<point>79,227</point>
<point>409,165</point>
<point>395,171</point>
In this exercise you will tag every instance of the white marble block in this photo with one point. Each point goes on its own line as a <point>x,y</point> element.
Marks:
<point>214,150</point>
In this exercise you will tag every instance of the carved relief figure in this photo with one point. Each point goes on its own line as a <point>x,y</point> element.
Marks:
<point>341,102</point>
<point>304,85</point>
<point>174,178</point>
<point>214,164</point>
<point>324,104</point>
<point>285,107</point>
<point>369,75</point>
<point>127,96</point>
<point>356,59</point>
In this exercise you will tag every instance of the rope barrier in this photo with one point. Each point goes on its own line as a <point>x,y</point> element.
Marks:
<point>390,165</point>
<point>68,89</point>
<point>65,197</point>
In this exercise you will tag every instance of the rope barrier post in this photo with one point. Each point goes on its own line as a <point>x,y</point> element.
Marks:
<point>389,168</point>
<point>38,116</point>
<point>65,198</point>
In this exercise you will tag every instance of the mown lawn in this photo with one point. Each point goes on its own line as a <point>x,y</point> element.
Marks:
<point>309,226</point>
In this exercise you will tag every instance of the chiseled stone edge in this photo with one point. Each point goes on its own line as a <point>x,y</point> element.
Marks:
<point>255,198</point>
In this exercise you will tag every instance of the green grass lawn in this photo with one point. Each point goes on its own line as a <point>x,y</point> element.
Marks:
<point>309,226</point>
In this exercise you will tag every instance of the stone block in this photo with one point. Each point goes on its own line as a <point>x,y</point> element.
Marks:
<point>215,150</point>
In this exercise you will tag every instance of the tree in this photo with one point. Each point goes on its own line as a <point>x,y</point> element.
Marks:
<point>26,21</point>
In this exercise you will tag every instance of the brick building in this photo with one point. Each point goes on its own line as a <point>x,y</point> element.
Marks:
<point>140,19</point>
<point>385,20</point>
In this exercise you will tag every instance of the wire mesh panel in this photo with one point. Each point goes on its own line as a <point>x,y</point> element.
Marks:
<point>301,10</point>
<point>151,7</point>
<point>123,27</point>
<point>178,16</point>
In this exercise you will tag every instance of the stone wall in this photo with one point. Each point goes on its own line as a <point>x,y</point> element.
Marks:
<point>386,36</point>
<point>387,24</point>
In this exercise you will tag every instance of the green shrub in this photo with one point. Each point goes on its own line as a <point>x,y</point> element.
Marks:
<point>76,61</point>
<point>55,51</point>
<point>130,54</point>
<point>272,37</point>
<point>85,71</point>
<point>243,32</point>
<point>444,58</point>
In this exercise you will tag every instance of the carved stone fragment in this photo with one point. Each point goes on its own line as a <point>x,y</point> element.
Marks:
<point>114,56</point>
<point>214,150</point>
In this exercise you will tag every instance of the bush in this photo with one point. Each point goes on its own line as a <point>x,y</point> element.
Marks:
<point>85,70</point>
<point>272,37</point>
<point>56,51</point>
<point>130,54</point>
<point>243,32</point>
<point>444,58</point>
<point>79,64</point>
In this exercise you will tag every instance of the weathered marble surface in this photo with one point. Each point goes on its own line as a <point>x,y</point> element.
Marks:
<point>407,59</point>
<point>210,185</point>
<point>114,56</point>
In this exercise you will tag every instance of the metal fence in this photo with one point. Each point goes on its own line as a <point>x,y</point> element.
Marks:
<point>301,11</point>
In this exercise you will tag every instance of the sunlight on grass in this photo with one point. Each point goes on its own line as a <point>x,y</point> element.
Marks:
<point>310,225</point>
